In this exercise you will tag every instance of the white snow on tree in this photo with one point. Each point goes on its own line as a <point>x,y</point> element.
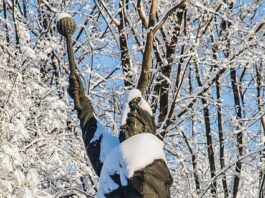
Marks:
<point>37,156</point>
<point>218,48</point>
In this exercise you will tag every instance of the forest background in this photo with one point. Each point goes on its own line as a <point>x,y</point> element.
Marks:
<point>205,61</point>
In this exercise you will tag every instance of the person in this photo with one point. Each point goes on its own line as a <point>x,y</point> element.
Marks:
<point>131,165</point>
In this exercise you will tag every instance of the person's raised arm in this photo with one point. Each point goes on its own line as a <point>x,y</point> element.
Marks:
<point>95,136</point>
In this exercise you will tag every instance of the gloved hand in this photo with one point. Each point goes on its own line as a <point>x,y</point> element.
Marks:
<point>76,90</point>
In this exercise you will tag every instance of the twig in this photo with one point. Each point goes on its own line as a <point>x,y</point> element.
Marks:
<point>141,13</point>
<point>115,21</point>
<point>7,100</point>
<point>173,9</point>
<point>226,168</point>
<point>109,75</point>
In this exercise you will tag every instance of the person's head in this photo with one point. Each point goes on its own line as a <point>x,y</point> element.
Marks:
<point>138,120</point>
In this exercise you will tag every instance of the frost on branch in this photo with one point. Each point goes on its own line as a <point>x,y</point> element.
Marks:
<point>39,155</point>
<point>39,134</point>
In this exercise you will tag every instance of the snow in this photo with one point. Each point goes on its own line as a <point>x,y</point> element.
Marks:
<point>19,177</point>
<point>23,33</point>
<point>166,78</point>
<point>32,178</point>
<point>135,158</point>
<point>24,192</point>
<point>6,186</point>
<point>108,141</point>
<point>131,155</point>
<point>63,15</point>
<point>6,165</point>
<point>134,93</point>
<point>27,51</point>
<point>58,104</point>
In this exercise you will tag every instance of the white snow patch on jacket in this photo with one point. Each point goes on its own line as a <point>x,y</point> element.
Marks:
<point>108,141</point>
<point>131,155</point>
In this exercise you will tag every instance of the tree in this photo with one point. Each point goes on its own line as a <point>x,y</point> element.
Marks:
<point>203,74</point>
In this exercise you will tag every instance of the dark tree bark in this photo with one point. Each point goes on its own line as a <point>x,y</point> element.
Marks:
<point>221,137</point>
<point>208,134</point>
<point>166,70</point>
<point>193,155</point>
<point>239,135</point>
<point>14,5</point>
<point>5,17</point>
<point>123,38</point>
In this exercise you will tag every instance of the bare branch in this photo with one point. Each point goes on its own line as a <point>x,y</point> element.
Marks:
<point>141,13</point>
<point>108,23</point>
<point>226,168</point>
<point>173,9</point>
<point>115,21</point>
<point>50,7</point>
<point>147,58</point>
<point>123,38</point>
